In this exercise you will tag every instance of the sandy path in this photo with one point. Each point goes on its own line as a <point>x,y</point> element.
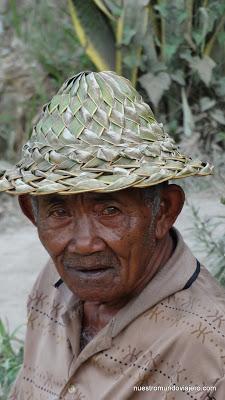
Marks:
<point>22,255</point>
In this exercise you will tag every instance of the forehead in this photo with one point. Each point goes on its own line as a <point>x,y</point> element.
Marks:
<point>127,196</point>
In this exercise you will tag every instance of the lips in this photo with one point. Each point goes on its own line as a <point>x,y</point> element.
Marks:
<point>94,271</point>
<point>91,272</point>
<point>102,265</point>
<point>93,268</point>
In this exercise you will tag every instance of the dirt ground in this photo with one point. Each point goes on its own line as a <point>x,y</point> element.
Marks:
<point>22,255</point>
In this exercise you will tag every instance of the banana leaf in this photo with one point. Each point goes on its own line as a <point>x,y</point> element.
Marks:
<point>135,25</point>
<point>115,7</point>
<point>104,8</point>
<point>114,10</point>
<point>130,24</point>
<point>111,8</point>
<point>94,32</point>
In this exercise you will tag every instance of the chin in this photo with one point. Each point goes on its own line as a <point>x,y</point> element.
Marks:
<point>99,296</point>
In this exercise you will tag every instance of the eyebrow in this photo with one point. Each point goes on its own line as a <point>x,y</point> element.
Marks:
<point>54,199</point>
<point>96,197</point>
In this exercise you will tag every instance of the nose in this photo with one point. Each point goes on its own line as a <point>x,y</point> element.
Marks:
<point>85,239</point>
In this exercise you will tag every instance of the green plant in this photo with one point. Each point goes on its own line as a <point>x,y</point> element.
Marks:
<point>34,66</point>
<point>48,34</point>
<point>210,233</point>
<point>11,357</point>
<point>173,50</point>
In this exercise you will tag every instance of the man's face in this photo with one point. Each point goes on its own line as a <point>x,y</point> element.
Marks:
<point>101,244</point>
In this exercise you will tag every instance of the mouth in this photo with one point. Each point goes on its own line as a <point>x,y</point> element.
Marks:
<point>94,271</point>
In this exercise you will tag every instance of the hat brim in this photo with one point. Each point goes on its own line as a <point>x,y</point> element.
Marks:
<point>16,182</point>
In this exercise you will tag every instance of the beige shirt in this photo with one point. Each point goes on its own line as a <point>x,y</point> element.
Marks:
<point>173,333</point>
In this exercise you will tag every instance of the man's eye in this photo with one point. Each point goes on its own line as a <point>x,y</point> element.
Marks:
<point>110,211</point>
<point>59,213</point>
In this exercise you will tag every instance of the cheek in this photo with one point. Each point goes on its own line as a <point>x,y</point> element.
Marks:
<point>53,240</point>
<point>129,241</point>
<point>113,232</point>
<point>140,246</point>
<point>119,236</point>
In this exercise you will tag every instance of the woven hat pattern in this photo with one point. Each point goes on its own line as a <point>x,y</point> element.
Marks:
<point>97,134</point>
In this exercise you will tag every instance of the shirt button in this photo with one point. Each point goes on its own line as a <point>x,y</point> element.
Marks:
<point>72,389</point>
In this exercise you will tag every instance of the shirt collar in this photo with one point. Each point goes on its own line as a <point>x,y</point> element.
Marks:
<point>171,278</point>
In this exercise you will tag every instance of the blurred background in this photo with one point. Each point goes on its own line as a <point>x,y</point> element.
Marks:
<point>172,51</point>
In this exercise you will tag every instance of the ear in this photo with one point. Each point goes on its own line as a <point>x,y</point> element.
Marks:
<point>171,204</point>
<point>26,207</point>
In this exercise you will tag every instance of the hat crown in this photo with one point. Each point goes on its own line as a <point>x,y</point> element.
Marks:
<point>95,107</point>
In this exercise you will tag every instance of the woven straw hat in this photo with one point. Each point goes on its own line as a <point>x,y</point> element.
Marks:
<point>97,134</point>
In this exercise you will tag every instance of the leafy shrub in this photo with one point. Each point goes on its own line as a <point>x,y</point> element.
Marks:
<point>210,234</point>
<point>173,50</point>
<point>10,359</point>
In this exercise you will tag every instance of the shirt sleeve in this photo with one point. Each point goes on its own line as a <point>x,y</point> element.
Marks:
<point>16,392</point>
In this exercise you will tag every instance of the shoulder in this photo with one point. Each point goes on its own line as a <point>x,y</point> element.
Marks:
<point>44,285</point>
<point>48,276</point>
<point>198,313</point>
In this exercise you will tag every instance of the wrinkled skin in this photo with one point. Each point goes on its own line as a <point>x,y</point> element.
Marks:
<point>106,247</point>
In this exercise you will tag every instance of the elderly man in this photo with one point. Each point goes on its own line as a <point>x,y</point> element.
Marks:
<point>123,310</point>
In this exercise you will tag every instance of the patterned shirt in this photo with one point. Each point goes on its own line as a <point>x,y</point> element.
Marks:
<point>168,343</point>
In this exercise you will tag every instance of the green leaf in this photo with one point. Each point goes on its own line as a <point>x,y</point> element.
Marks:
<point>115,7</point>
<point>220,87</point>
<point>188,120</point>
<point>155,85</point>
<point>162,9</point>
<point>158,67</point>
<point>178,77</point>
<point>10,359</point>
<point>204,67</point>
<point>128,35</point>
<point>220,136</point>
<point>170,49</point>
<point>218,7</point>
<point>182,17</point>
<point>186,55</point>
<point>197,36</point>
<point>221,38</point>
<point>206,103</point>
<point>204,21</point>
<point>131,60</point>
<point>103,8</point>
<point>94,33</point>
<point>135,23</point>
<point>218,115</point>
